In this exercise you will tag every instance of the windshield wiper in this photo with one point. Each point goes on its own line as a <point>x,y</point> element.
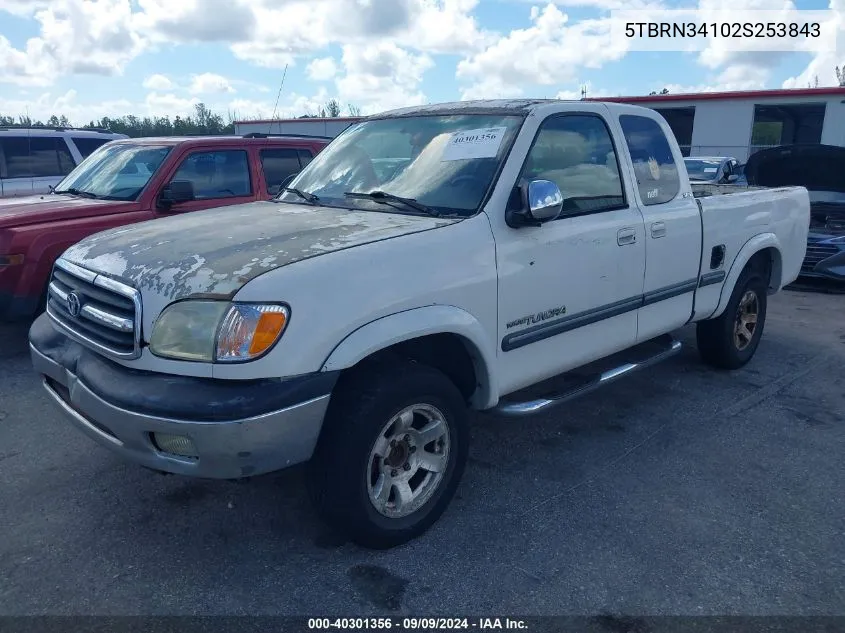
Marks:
<point>305,195</point>
<point>77,192</point>
<point>387,198</point>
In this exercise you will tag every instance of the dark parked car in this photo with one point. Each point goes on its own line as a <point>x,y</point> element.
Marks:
<point>821,169</point>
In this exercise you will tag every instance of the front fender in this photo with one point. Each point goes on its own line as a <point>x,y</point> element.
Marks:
<point>415,323</point>
<point>748,250</point>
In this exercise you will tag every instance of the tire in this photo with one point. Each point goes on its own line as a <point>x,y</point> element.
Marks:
<point>718,342</point>
<point>349,469</point>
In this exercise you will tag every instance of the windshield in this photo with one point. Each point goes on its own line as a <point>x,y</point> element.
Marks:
<point>115,171</point>
<point>445,163</point>
<point>702,169</point>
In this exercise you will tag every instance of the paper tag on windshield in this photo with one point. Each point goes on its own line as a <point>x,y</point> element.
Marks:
<point>710,170</point>
<point>481,143</point>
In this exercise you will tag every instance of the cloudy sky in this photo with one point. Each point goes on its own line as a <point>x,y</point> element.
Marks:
<point>89,58</point>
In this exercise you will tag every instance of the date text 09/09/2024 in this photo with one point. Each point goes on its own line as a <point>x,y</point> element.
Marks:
<point>723,29</point>
<point>416,624</point>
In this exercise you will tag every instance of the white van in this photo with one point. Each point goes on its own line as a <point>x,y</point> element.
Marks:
<point>34,159</point>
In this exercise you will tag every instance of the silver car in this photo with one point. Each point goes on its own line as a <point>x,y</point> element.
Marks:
<point>34,159</point>
<point>715,170</point>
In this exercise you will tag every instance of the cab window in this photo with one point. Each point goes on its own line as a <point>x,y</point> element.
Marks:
<point>217,174</point>
<point>576,152</point>
<point>654,164</point>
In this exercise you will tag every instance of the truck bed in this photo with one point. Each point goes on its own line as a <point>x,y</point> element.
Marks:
<point>704,190</point>
<point>732,215</point>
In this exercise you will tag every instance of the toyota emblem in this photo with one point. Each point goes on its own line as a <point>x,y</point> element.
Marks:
<point>73,304</point>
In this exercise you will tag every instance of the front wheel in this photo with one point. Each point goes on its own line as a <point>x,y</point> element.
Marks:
<point>392,452</point>
<point>730,340</point>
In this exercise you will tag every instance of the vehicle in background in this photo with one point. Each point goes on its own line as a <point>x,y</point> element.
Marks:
<point>132,180</point>
<point>821,170</point>
<point>716,170</point>
<point>522,253</point>
<point>34,159</point>
<point>741,179</point>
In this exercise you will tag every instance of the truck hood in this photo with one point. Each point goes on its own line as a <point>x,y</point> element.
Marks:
<point>214,253</point>
<point>49,207</point>
<point>816,167</point>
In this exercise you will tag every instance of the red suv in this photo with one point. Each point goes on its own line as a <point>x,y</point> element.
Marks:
<point>129,181</point>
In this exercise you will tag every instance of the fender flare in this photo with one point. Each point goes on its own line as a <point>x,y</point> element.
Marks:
<point>414,323</point>
<point>748,250</point>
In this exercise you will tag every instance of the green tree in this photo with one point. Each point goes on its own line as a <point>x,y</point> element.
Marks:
<point>203,121</point>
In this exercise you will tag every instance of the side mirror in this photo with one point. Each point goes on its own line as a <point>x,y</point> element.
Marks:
<point>542,201</point>
<point>545,201</point>
<point>175,192</point>
<point>733,177</point>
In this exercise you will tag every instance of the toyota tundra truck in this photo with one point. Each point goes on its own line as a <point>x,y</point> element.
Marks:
<point>501,256</point>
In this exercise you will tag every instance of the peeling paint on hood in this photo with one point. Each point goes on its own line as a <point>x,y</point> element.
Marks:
<point>214,253</point>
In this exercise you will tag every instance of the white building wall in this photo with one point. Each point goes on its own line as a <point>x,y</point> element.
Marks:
<point>833,132</point>
<point>722,128</point>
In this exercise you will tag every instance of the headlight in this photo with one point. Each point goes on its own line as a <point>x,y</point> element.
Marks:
<point>208,331</point>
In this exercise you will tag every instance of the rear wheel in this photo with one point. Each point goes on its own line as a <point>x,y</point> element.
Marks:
<point>730,340</point>
<point>392,452</point>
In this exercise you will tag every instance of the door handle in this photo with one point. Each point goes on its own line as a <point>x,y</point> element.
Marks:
<point>626,236</point>
<point>658,229</point>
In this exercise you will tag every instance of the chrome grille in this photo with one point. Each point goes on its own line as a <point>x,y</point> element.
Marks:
<point>94,310</point>
<point>815,254</point>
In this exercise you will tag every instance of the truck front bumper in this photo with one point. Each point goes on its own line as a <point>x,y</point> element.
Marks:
<point>224,429</point>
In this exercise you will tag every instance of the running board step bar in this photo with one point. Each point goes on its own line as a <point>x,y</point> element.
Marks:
<point>660,349</point>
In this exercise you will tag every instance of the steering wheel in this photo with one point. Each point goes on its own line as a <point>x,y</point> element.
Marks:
<point>457,180</point>
<point>364,168</point>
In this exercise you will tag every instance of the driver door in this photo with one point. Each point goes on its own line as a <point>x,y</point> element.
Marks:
<point>570,288</point>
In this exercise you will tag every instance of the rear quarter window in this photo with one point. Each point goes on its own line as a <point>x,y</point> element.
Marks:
<point>36,156</point>
<point>86,146</point>
<point>654,165</point>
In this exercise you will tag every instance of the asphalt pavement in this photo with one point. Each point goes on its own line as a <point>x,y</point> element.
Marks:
<point>680,490</point>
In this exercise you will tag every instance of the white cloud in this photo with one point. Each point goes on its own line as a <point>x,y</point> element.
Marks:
<point>22,7</point>
<point>428,26</point>
<point>322,69</point>
<point>76,37</point>
<point>492,87</point>
<point>823,65</point>
<point>45,105</point>
<point>195,20</point>
<point>168,104</point>
<point>549,52</point>
<point>381,76</point>
<point>157,82</point>
<point>210,83</point>
<point>25,68</point>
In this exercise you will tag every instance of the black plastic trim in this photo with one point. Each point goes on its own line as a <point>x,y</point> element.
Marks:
<point>176,397</point>
<point>708,279</point>
<point>567,324</point>
<point>669,292</point>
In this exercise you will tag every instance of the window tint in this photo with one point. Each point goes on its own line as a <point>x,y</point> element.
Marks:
<point>654,165</point>
<point>305,156</point>
<point>36,156</point>
<point>278,164</point>
<point>86,146</point>
<point>220,174</point>
<point>576,153</point>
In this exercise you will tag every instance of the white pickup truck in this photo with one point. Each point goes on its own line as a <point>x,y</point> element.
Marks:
<point>498,256</point>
